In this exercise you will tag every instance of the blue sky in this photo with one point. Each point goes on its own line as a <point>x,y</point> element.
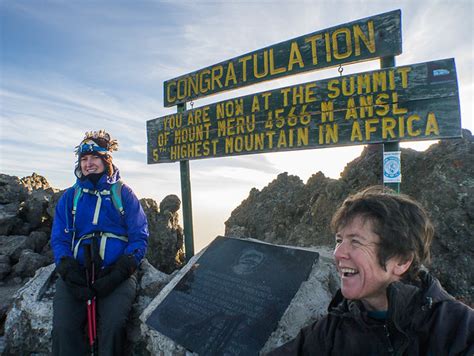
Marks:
<point>72,66</point>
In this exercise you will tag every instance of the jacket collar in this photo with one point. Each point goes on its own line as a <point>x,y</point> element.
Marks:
<point>404,300</point>
<point>104,182</point>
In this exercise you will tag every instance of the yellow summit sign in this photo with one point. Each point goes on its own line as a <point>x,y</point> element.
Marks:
<point>413,102</point>
<point>364,39</point>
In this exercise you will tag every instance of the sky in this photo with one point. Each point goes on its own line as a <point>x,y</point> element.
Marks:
<point>67,67</point>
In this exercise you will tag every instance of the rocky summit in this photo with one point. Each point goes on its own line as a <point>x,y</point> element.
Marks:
<point>287,212</point>
<point>290,212</point>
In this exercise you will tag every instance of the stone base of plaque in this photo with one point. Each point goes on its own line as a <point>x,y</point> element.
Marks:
<point>239,297</point>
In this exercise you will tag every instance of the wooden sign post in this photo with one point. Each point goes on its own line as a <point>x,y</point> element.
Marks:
<point>187,202</point>
<point>387,62</point>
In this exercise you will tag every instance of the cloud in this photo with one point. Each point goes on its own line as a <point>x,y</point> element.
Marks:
<point>43,117</point>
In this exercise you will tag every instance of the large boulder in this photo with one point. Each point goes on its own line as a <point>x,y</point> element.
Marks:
<point>270,214</point>
<point>35,182</point>
<point>5,266</point>
<point>13,246</point>
<point>23,204</point>
<point>11,189</point>
<point>34,209</point>
<point>29,321</point>
<point>39,240</point>
<point>11,250</point>
<point>171,203</point>
<point>310,302</point>
<point>447,191</point>
<point>53,201</point>
<point>165,244</point>
<point>9,219</point>
<point>29,262</point>
<point>323,196</point>
<point>24,255</point>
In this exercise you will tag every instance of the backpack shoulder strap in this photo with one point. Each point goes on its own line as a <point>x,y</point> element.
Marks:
<point>77,196</point>
<point>116,195</point>
<point>75,199</point>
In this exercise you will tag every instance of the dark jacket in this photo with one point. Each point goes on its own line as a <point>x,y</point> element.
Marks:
<point>423,320</point>
<point>133,224</point>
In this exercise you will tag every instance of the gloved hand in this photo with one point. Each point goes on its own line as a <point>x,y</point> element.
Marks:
<point>75,278</point>
<point>112,277</point>
<point>70,271</point>
<point>81,293</point>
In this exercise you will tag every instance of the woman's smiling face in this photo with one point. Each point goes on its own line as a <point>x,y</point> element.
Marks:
<point>91,164</point>
<point>362,276</point>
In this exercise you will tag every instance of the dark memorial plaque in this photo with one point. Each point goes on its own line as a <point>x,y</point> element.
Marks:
<point>233,297</point>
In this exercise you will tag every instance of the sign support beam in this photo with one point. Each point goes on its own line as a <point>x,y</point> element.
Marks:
<point>187,203</point>
<point>387,62</point>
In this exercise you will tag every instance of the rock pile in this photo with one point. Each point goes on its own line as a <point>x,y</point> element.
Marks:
<point>25,225</point>
<point>288,211</point>
<point>165,245</point>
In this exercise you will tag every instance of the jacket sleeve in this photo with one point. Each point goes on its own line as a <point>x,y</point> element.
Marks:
<point>137,224</point>
<point>309,341</point>
<point>61,239</point>
<point>454,331</point>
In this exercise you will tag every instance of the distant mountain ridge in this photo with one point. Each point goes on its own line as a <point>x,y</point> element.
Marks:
<point>289,212</point>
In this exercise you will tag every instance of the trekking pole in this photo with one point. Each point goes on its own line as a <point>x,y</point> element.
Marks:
<point>91,330</point>
<point>93,302</point>
<point>95,265</point>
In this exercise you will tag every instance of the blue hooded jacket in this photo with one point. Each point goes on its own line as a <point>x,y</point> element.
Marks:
<point>132,224</point>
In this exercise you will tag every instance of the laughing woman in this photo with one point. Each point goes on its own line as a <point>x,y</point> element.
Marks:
<point>388,303</point>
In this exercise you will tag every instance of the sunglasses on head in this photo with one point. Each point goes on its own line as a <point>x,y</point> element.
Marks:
<point>90,147</point>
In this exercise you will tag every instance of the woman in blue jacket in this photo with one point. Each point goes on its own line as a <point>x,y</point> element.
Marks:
<point>99,237</point>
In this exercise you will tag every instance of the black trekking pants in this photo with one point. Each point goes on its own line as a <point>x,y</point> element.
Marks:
<point>70,321</point>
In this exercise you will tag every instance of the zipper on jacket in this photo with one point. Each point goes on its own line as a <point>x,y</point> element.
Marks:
<point>387,334</point>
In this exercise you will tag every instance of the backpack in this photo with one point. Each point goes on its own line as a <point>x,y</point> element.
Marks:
<point>115,193</point>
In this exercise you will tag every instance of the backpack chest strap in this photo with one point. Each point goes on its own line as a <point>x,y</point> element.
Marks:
<point>103,241</point>
<point>115,193</point>
<point>98,194</point>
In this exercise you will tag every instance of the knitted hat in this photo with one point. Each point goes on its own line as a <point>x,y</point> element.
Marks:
<point>97,143</point>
